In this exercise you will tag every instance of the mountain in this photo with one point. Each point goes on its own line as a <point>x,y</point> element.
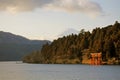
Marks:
<point>68,31</point>
<point>74,48</point>
<point>14,47</point>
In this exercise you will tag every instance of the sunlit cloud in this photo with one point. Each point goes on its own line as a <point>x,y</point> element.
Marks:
<point>12,10</point>
<point>87,7</point>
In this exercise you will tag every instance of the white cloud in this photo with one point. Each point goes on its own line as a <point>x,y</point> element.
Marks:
<point>22,5</point>
<point>82,6</point>
<point>88,7</point>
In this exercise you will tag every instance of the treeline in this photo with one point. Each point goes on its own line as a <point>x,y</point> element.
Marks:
<point>70,49</point>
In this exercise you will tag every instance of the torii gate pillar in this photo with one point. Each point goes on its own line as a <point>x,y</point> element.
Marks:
<point>96,58</point>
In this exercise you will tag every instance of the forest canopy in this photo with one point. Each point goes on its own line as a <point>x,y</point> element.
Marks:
<point>72,48</point>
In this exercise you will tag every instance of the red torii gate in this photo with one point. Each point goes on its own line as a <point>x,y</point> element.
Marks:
<point>96,58</point>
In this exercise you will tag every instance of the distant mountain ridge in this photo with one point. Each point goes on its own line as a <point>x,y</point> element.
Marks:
<point>68,31</point>
<point>6,37</point>
<point>14,47</point>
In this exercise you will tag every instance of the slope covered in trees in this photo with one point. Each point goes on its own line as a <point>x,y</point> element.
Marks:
<point>14,47</point>
<point>73,48</point>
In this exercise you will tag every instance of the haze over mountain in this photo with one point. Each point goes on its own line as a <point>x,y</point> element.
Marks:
<point>68,31</point>
<point>14,47</point>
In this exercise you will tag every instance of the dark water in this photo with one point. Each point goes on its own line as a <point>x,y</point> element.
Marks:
<point>13,71</point>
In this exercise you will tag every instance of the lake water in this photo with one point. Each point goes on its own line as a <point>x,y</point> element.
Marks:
<point>13,71</point>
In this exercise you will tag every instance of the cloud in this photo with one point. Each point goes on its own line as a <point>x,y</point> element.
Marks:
<point>16,6</point>
<point>82,6</point>
<point>12,5</point>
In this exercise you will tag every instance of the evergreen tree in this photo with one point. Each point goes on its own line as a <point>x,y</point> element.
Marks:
<point>70,48</point>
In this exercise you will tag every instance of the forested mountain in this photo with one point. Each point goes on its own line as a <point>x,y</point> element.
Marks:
<point>14,47</point>
<point>73,48</point>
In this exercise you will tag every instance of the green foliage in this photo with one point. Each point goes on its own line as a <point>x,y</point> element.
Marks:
<point>70,48</point>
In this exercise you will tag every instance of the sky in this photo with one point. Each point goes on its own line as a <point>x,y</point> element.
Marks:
<point>47,19</point>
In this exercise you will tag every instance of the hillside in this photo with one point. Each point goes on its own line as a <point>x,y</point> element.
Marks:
<point>14,47</point>
<point>77,48</point>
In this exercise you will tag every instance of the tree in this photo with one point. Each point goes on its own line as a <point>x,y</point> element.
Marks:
<point>105,40</point>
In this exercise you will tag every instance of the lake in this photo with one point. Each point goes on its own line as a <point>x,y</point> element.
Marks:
<point>23,71</point>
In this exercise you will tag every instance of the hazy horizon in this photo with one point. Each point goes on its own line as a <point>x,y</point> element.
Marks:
<point>47,19</point>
